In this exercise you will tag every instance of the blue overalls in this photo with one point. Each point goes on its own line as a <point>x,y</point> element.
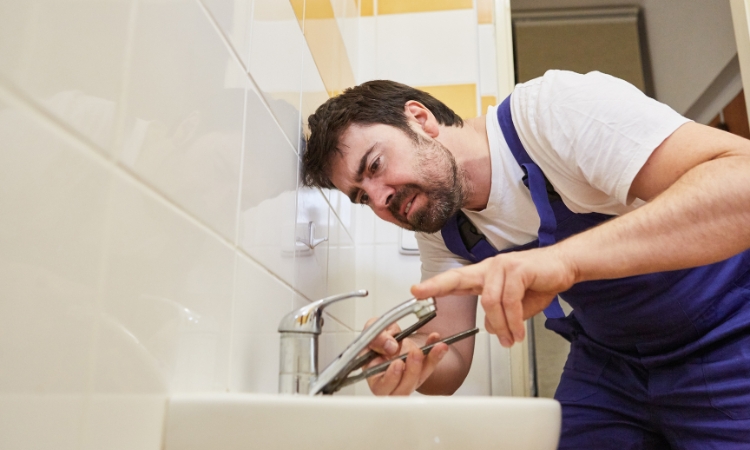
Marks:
<point>656,361</point>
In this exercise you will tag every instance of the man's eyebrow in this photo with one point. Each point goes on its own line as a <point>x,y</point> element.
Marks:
<point>360,173</point>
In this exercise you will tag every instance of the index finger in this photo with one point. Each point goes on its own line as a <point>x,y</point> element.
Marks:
<point>466,280</point>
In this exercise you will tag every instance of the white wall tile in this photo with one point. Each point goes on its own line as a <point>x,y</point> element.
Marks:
<point>341,272</point>
<point>275,62</point>
<point>261,300</point>
<point>364,225</point>
<point>53,197</point>
<point>314,91</point>
<point>83,44</point>
<point>395,275</point>
<point>169,288</point>
<point>367,62</point>
<point>385,232</point>
<point>234,19</point>
<point>365,279</point>
<point>500,361</point>
<point>311,266</point>
<point>183,129</point>
<point>487,61</point>
<point>269,192</point>
<point>404,55</point>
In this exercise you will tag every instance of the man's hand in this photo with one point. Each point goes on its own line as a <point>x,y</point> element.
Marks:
<point>403,378</point>
<point>513,286</point>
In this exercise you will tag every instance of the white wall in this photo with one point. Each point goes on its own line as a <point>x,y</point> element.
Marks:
<point>148,189</point>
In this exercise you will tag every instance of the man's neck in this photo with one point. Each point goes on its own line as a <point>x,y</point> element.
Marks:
<point>471,149</point>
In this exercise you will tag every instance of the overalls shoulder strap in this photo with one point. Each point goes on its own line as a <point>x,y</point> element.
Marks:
<point>465,240</point>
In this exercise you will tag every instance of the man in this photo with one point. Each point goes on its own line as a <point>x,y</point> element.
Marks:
<point>578,185</point>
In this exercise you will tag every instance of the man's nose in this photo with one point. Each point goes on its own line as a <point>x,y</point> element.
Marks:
<point>380,196</point>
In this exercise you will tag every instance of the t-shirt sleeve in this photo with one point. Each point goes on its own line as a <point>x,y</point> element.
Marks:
<point>435,256</point>
<point>593,127</point>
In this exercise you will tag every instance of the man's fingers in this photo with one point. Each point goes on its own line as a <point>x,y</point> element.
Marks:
<point>410,378</point>
<point>512,296</point>
<point>494,307</point>
<point>386,383</point>
<point>384,343</point>
<point>466,280</point>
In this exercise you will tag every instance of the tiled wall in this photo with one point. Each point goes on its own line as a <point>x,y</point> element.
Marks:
<point>149,211</point>
<point>149,203</point>
<point>450,49</point>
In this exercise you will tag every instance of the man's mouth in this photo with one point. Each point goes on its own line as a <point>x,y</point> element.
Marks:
<point>408,206</point>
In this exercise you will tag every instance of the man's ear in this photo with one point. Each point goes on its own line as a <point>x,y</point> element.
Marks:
<point>418,114</point>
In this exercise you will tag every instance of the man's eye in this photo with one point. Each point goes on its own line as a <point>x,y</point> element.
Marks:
<point>364,199</point>
<point>375,165</point>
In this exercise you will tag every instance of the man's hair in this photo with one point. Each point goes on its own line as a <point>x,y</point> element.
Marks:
<point>373,102</point>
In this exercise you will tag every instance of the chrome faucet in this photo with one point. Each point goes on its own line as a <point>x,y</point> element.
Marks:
<point>298,370</point>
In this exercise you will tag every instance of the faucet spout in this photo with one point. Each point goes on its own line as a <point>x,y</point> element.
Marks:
<point>342,365</point>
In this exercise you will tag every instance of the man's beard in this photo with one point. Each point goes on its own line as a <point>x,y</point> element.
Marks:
<point>442,183</point>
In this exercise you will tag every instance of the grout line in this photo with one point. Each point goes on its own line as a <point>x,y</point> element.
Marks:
<point>245,70</point>
<point>17,98</point>
<point>118,140</point>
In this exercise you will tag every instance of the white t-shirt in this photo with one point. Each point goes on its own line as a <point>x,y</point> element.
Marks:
<point>590,134</point>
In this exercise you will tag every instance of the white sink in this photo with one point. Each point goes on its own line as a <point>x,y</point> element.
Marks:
<point>260,422</point>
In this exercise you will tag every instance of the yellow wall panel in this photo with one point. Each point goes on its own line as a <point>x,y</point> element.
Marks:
<point>318,9</point>
<point>461,98</point>
<point>328,51</point>
<point>326,44</point>
<point>484,11</point>
<point>487,100</point>
<point>414,6</point>
<point>367,8</point>
<point>299,9</point>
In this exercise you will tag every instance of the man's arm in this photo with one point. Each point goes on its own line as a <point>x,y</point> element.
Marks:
<point>697,183</point>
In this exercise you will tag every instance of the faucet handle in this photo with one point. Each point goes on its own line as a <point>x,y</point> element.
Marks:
<point>309,318</point>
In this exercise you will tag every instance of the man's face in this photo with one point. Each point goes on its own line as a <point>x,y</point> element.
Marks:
<point>414,184</point>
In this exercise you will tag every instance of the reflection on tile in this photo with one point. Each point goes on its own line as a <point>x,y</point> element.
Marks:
<point>275,62</point>
<point>269,188</point>
<point>169,292</point>
<point>183,131</point>
<point>53,198</point>
<point>311,266</point>
<point>261,300</point>
<point>87,63</point>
